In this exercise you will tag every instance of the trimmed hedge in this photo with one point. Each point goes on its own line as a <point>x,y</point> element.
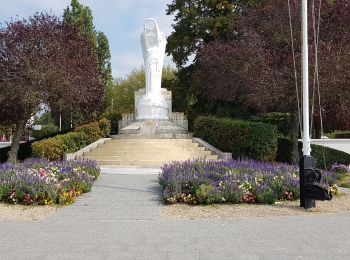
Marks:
<point>339,134</point>
<point>51,148</point>
<point>72,141</point>
<point>25,149</point>
<point>281,120</point>
<point>241,138</point>
<point>54,148</point>
<point>325,157</point>
<point>91,130</point>
<point>45,131</point>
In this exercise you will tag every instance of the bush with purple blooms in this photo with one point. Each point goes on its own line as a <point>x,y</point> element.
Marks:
<point>41,182</point>
<point>343,174</point>
<point>234,181</point>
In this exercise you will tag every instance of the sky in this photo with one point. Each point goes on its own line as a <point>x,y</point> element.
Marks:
<point>121,20</point>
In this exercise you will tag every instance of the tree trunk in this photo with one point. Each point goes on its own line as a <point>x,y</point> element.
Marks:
<point>294,136</point>
<point>317,128</point>
<point>16,140</point>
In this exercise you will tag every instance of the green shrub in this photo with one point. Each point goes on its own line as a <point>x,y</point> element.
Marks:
<point>105,127</point>
<point>325,157</point>
<point>45,130</point>
<point>91,130</point>
<point>73,141</point>
<point>25,149</point>
<point>281,120</point>
<point>51,148</point>
<point>284,150</point>
<point>202,193</point>
<point>265,195</point>
<point>62,142</point>
<point>339,134</point>
<point>241,138</point>
<point>54,148</point>
<point>114,119</point>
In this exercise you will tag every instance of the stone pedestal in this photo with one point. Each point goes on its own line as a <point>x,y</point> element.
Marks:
<point>153,107</point>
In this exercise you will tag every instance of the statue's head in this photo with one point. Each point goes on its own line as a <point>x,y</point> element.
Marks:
<point>151,31</point>
<point>151,25</point>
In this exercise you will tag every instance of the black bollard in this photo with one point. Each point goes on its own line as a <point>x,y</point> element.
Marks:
<point>310,188</point>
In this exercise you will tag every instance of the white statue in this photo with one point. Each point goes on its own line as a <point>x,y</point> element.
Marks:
<point>153,44</point>
<point>151,103</point>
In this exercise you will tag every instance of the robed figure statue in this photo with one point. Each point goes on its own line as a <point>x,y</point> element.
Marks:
<point>153,44</point>
<point>153,103</point>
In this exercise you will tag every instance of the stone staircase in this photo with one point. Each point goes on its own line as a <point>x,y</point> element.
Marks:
<point>153,152</point>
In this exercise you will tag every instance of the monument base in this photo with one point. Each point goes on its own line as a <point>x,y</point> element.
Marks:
<point>153,116</point>
<point>153,107</point>
<point>175,126</point>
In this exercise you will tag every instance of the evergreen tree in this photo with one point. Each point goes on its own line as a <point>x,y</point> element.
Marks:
<point>81,17</point>
<point>104,60</point>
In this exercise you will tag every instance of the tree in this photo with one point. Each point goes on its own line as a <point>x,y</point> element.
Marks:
<point>81,17</point>
<point>104,60</point>
<point>197,23</point>
<point>44,61</point>
<point>256,69</point>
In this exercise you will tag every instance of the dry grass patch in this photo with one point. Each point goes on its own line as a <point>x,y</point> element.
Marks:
<point>20,212</point>
<point>235,211</point>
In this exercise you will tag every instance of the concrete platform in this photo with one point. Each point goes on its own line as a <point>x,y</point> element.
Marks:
<point>153,127</point>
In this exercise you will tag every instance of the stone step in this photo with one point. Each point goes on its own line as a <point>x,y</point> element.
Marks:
<point>150,150</point>
<point>150,141</point>
<point>144,136</point>
<point>146,145</point>
<point>175,156</point>
<point>148,162</point>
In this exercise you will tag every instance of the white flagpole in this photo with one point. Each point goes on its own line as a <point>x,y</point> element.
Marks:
<point>305,81</point>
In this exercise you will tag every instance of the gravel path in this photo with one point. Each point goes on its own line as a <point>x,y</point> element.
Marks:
<point>19,212</point>
<point>339,204</point>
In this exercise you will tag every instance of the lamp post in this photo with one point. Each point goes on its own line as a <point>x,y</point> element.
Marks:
<point>307,163</point>
<point>305,81</point>
<point>310,177</point>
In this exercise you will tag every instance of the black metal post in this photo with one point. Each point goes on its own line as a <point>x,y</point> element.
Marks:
<point>306,168</point>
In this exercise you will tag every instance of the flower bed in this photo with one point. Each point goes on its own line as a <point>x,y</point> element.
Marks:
<point>343,174</point>
<point>40,182</point>
<point>234,181</point>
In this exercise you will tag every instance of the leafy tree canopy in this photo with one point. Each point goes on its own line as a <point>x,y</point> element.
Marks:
<point>257,68</point>
<point>81,17</point>
<point>197,23</point>
<point>44,61</point>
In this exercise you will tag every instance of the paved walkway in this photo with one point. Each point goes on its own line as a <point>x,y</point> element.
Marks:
<point>120,219</point>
